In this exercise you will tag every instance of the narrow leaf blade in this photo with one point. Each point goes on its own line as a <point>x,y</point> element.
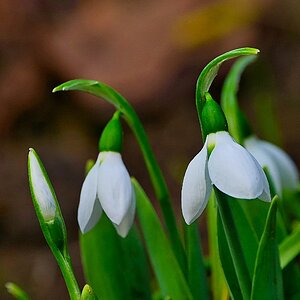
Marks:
<point>267,279</point>
<point>196,270</point>
<point>115,268</point>
<point>289,248</point>
<point>168,273</point>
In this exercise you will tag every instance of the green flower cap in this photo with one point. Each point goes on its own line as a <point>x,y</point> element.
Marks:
<point>112,136</point>
<point>212,117</point>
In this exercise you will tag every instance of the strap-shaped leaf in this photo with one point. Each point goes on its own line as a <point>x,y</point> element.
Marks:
<point>114,268</point>
<point>227,262</point>
<point>267,279</point>
<point>197,278</point>
<point>241,238</point>
<point>168,273</point>
<point>289,248</point>
<point>229,101</point>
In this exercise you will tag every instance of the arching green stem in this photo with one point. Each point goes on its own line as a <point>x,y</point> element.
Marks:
<point>110,95</point>
<point>209,73</point>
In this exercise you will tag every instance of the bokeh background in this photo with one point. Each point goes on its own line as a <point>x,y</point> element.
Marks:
<point>150,51</point>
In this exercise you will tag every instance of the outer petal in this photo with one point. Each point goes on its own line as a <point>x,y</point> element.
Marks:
<point>114,187</point>
<point>127,222</point>
<point>287,169</point>
<point>233,169</point>
<point>89,210</point>
<point>196,187</point>
<point>266,159</point>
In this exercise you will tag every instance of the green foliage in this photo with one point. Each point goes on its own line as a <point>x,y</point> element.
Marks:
<point>243,235</point>
<point>16,291</point>
<point>267,279</point>
<point>115,268</point>
<point>197,277</point>
<point>167,270</point>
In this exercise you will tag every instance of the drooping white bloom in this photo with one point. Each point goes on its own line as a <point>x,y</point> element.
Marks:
<point>282,169</point>
<point>40,187</point>
<point>107,187</point>
<point>230,167</point>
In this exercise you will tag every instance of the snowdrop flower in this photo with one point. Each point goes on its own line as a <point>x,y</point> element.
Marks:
<point>108,186</point>
<point>228,166</point>
<point>222,163</point>
<point>282,169</point>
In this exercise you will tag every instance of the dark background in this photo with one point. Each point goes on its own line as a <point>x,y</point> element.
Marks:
<point>151,52</point>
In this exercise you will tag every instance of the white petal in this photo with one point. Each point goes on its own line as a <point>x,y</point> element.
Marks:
<point>89,210</point>
<point>40,187</point>
<point>114,187</point>
<point>233,170</point>
<point>127,222</point>
<point>287,169</point>
<point>196,187</point>
<point>265,159</point>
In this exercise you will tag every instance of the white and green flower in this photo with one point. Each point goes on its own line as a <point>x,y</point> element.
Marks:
<point>283,171</point>
<point>107,187</point>
<point>229,167</point>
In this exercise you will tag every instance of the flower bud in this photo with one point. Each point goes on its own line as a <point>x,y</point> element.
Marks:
<point>45,203</point>
<point>112,135</point>
<point>40,188</point>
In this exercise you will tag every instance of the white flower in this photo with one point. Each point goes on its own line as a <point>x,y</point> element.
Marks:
<point>107,187</point>
<point>230,167</point>
<point>282,169</point>
<point>40,187</point>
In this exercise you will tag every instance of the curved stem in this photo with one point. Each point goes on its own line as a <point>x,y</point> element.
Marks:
<point>110,95</point>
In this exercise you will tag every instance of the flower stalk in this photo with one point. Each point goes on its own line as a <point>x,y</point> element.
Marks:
<point>104,91</point>
<point>51,220</point>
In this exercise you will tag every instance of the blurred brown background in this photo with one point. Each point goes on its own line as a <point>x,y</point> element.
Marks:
<point>150,51</point>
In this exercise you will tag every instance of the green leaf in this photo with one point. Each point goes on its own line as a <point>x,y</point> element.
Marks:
<point>227,262</point>
<point>106,92</point>
<point>16,291</point>
<point>196,270</point>
<point>229,100</point>
<point>208,74</point>
<point>115,268</point>
<point>289,248</point>
<point>136,269</point>
<point>166,268</point>
<point>256,212</point>
<point>241,238</point>
<point>267,279</point>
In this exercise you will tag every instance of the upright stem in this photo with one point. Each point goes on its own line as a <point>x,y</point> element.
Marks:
<point>218,282</point>
<point>158,182</point>
<point>234,244</point>
<point>69,276</point>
